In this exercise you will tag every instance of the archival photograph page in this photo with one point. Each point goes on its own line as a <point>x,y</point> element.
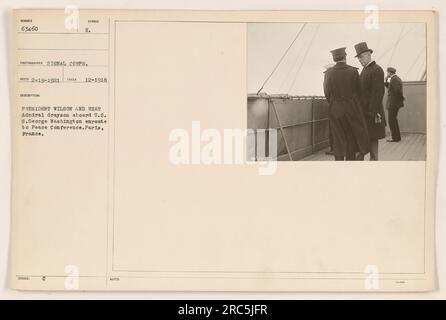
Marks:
<point>223,150</point>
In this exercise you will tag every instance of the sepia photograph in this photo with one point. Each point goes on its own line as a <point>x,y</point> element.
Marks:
<point>147,148</point>
<point>333,91</point>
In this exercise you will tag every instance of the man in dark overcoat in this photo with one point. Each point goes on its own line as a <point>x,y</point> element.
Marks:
<point>347,124</point>
<point>330,138</point>
<point>395,101</point>
<point>372,93</point>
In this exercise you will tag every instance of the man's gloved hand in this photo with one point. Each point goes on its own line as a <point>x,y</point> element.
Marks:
<point>378,118</point>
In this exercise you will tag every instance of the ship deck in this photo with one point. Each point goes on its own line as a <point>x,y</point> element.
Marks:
<point>412,147</point>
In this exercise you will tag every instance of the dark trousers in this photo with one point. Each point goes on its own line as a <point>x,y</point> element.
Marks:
<point>350,157</point>
<point>342,139</point>
<point>374,147</point>
<point>393,123</point>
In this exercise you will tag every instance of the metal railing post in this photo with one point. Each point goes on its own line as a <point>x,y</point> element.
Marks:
<point>313,127</point>
<point>282,131</point>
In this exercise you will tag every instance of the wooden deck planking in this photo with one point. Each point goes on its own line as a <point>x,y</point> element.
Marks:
<point>413,153</point>
<point>412,147</point>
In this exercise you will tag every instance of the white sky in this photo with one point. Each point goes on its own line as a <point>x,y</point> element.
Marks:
<point>268,41</point>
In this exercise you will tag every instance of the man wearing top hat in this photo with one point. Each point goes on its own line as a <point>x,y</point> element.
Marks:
<point>347,124</point>
<point>395,100</point>
<point>372,93</point>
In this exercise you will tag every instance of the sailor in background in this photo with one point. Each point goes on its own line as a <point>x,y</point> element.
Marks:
<point>395,101</point>
<point>372,93</point>
<point>347,124</point>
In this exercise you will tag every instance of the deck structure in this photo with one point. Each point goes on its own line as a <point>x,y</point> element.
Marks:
<point>412,147</point>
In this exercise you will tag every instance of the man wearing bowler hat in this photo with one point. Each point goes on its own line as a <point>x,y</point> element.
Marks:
<point>347,124</point>
<point>372,93</point>
<point>395,101</point>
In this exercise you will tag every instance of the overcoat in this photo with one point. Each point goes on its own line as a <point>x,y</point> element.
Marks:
<point>347,123</point>
<point>395,98</point>
<point>372,93</point>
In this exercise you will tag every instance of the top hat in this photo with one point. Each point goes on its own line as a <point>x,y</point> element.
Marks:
<point>361,48</point>
<point>391,69</point>
<point>338,53</point>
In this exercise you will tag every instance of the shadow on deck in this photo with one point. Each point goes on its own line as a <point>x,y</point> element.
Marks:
<point>412,147</point>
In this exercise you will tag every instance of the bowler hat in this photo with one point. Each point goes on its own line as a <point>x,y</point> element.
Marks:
<point>361,48</point>
<point>391,69</point>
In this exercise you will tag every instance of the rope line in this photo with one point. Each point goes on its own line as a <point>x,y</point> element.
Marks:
<point>415,62</point>
<point>423,76</point>
<point>283,56</point>
<point>291,69</point>
<point>303,60</point>
<point>396,45</point>
<point>393,45</point>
